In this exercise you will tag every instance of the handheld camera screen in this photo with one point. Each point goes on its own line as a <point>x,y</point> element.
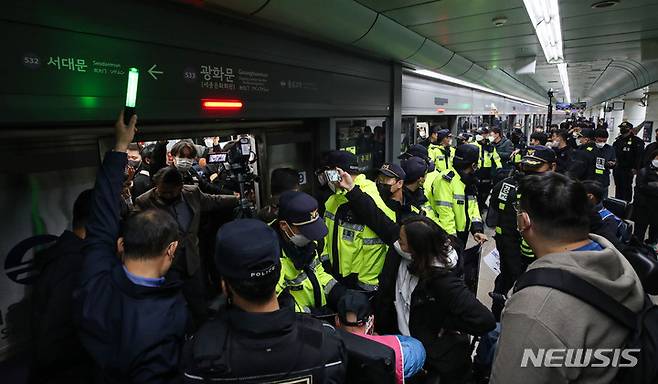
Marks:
<point>332,176</point>
<point>217,158</point>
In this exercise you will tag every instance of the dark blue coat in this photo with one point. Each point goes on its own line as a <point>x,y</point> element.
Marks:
<point>134,333</point>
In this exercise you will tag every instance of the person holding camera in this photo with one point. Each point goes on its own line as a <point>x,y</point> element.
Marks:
<point>354,252</point>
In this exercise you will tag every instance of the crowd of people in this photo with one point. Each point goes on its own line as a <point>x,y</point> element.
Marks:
<point>365,282</point>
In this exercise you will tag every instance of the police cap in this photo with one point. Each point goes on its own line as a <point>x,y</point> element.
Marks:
<point>466,154</point>
<point>626,125</point>
<point>246,249</point>
<point>357,303</point>
<point>393,170</point>
<point>415,150</point>
<point>301,210</point>
<point>536,155</point>
<point>443,134</point>
<point>344,160</point>
<point>414,167</point>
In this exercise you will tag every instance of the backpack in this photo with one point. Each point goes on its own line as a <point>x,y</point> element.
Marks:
<point>643,325</point>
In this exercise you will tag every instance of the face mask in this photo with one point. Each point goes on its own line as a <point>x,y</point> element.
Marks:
<point>134,163</point>
<point>208,142</point>
<point>600,145</point>
<point>654,163</point>
<point>183,164</point>
<point>552,144</point>
<point>384,191</point>
<point>579,142</point>
<point>299,240</point>
<point>492,138</point>
<point>398,249</point>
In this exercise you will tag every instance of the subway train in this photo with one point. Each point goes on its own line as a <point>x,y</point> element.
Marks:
<point>293,80</point>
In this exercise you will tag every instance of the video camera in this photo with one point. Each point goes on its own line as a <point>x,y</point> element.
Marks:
<point>234,164</point>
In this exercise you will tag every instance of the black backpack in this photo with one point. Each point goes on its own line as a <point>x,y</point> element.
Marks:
<point>643,325</point>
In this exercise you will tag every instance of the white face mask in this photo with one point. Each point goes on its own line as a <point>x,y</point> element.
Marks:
<point>600,145</point>
<point>298,239</point>
<point>552,144</point>
<point>654,163</point>
<point>183,164</point>
<point>209,142</point>
<point>579,142</point>
<point>492,137</point>
<point>398,249</point>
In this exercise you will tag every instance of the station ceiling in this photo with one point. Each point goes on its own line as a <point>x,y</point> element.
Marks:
<point>609,50</point>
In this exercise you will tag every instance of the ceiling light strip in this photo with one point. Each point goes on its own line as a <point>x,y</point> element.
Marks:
<point>564,76</point>
<point>545,17</point>
<point>453,80</point>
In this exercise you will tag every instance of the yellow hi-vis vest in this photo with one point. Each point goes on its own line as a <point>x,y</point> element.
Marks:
<point>299,283</point>
<point>438,155</point>
<point>488,159</point>
<point>449,201</point>
<point>360,250</point>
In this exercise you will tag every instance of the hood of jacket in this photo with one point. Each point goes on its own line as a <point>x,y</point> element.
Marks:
<point>607,270</point>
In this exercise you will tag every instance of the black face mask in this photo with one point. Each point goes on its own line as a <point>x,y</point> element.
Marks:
<point>384,191</point>
<point>134,164</point>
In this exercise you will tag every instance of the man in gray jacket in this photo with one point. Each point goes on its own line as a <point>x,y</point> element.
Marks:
<point>553,218</point>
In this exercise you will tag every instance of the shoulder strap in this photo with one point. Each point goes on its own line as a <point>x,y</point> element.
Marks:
<point>573,285</point>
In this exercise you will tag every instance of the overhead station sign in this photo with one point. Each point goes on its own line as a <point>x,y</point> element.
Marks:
<point>51,75</point>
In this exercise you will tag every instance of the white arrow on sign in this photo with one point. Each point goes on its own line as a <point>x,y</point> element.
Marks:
<point>153,72</point>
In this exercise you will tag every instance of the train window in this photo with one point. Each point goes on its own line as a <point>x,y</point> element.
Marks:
<point>366,138</point>
<point>408,132</point>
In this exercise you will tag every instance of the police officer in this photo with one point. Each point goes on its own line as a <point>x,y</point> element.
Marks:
<point>585,156</point>
<point>504,147</point>
<point>563,151</point>
<point>354,253</point>
<point>488,165</point>
<point>515,254</point>
<point>254,339</point>
<point>413,192</point>
<point>299,226</point>
<point>629,149</point>
<point>606,159</point>
<point>442,152</point>
<point>431,171</point>
<point>454,196</point>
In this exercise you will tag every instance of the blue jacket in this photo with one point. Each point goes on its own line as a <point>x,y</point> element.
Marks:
<point>134,333</point>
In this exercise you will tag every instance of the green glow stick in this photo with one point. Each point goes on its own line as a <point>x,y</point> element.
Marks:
<point>131,92</point>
